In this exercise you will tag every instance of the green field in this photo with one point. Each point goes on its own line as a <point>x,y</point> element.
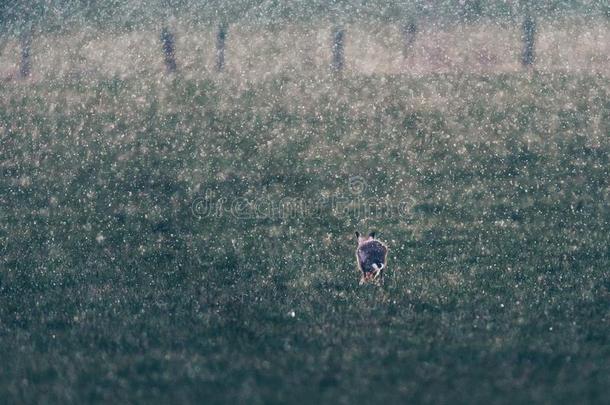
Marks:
<point>118,285</point>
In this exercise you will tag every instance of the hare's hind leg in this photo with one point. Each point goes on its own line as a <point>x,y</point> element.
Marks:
<point>378,269</point>
<point>378,273</point>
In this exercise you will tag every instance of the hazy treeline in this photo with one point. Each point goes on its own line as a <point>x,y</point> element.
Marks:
<point>125,14</point>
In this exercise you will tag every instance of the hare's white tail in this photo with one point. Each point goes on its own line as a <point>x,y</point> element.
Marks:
<point>377,269</point>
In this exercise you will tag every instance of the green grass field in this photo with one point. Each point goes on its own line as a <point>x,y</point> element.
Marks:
<point>147,255</point>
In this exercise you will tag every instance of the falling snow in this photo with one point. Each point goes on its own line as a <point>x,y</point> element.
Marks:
<point>181,181</point>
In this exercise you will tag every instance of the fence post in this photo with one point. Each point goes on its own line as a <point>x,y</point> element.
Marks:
<point>338,58</point>
<point>25,68</point>
<point>409,34</point>
<point>529,37</point>
<point>168,43</point>
<point>221,39</point>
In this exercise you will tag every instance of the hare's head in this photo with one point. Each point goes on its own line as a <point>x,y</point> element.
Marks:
<point>364,239</point>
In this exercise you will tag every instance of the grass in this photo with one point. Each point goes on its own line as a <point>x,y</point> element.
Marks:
<point>117,286</point>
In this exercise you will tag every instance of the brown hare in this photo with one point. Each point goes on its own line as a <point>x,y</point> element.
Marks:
<point>371,256</point>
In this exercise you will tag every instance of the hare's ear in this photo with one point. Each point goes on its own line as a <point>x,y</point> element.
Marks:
<point>372,235</point>
<point>357,234</point>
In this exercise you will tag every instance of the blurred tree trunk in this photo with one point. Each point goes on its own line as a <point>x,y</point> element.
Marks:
<point>409,34</point>
<point>221,40</point>
<point>25,67</point>
<point>529,37</point>
<point>168,43</point>
<point>338,49</point>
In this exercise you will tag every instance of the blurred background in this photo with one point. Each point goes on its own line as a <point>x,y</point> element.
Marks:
<point>261,38</point>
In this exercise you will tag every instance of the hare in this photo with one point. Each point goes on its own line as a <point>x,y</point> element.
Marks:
<point>371,257</point>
